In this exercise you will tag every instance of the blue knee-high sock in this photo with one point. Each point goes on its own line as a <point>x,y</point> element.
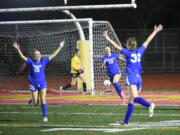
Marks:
<point>118,88</point>
<point>44,110</point>
<point>141,101</point>
<point>129,112</point>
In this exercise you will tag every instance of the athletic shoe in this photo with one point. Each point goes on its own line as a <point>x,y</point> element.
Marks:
<point>56,91</point>
<point>45,119</point>
<point>85,93</point>
<point>30,101</point>
<point>61,88</point>
<point>122,123</point>
<point>59,91</point>
<point>151,109</point>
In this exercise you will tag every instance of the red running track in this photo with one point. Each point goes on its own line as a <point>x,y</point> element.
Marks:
<point>157,98</point>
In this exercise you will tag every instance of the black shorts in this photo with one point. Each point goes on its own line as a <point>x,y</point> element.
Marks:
<point>75,75</point>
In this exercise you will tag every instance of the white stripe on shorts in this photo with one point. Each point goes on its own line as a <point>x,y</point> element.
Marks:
<point>127,81</point>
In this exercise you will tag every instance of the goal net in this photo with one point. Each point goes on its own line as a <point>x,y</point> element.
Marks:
<point>45,36</point>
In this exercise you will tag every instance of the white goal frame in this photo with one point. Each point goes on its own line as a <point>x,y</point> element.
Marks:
<point>60,8</point>
<point>90,22</point>
<point>65,9</point>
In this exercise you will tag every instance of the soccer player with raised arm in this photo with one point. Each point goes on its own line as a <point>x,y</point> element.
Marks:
<point>134,70</point>
<point>112,70</point>
<point>23,68</point>
<point>37,79</point>
<point>76,71</point>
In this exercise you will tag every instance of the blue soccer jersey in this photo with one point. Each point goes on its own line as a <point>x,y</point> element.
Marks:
<point>111,65</point>
<point>133,60</point>
<point>36,71</point>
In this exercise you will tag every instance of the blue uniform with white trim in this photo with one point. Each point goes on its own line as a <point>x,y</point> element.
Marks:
<point>111,66</point>
<point>37,77</point>
<point>133,66</point>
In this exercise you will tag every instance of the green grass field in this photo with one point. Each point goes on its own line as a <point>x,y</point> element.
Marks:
<point>87,120</point>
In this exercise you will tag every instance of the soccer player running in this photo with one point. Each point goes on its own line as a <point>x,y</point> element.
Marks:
<point>23,68</point>
<point>37,78</point>
<point>76,71</point>
<point>134,70</point>
<point>112,70</point>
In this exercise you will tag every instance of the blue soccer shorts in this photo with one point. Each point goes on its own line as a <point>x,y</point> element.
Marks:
<point>111,76</point>
<point>134,79</point>
<point>38,86</point>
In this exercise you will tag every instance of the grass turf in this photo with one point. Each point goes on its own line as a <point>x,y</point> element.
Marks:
<point>27,119</point>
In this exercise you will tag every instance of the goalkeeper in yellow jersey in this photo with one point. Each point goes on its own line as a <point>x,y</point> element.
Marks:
<point>76,71</point>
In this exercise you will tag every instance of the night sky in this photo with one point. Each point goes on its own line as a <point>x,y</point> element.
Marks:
<point>148,12</point>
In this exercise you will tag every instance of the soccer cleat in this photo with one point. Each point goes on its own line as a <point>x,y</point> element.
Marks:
<point>60,88</point>
<point>30,101</point>
<point>151,109</point>
<point>45,119</point>
<point>122,123</point>
<point>56,91</point>
<point>85,93</point>
<point>123,97</point>
<point>59,91</point>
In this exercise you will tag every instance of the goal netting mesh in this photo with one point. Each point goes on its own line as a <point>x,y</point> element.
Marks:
<point>46,37</point>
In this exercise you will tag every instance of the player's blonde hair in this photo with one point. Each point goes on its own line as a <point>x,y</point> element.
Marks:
<point>131,43</point>
<point>32,53</point>
<point>35,50</point>
<point>107,47</point>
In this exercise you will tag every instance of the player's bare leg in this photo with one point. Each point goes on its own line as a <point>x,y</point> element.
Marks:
<point>35,97</point>
<point>43,96</point>
<point>133,91</point>
<point>118,88</point>
<point>73,81</point>
<point>31,101</point>
<point>44,105</point>
<point>81,76</point>
<point>137,99</point>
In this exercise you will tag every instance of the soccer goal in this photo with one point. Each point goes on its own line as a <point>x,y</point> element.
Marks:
<point>45,35</point>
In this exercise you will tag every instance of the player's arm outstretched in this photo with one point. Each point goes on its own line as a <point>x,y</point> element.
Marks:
<point>61,44</point>
<point>153,34</point>
<point>122,59</point>
<point>114,44</point>
<point>16,45</point>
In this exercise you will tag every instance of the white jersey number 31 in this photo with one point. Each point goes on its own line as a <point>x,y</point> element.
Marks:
<point>136,57</point>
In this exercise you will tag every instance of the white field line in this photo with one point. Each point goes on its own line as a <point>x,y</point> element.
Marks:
<point>171,123</point>
<point>7,108</point>
<point>91,129</point>
<point>73,127</point>
<point>116,114</point>
<point>112,127</point>
<point>24,107</point>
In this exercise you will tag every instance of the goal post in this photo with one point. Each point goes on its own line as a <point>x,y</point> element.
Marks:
<point>45,35</point>
<point>84,47</point>
<point>81,7</point>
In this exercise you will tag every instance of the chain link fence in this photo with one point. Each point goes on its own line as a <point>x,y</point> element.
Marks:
<point>163,53</point>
